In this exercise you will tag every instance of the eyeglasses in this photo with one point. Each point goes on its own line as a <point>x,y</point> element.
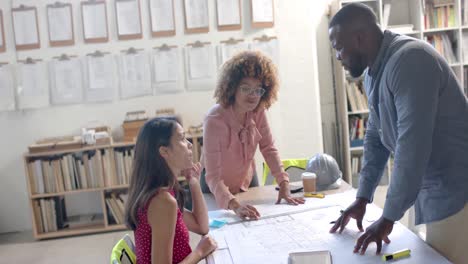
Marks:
<point>252,91</point>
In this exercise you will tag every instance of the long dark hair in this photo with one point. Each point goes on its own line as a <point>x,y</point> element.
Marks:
<point>150,170</point>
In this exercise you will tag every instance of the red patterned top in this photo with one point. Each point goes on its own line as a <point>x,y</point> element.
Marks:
<point>181,247</point>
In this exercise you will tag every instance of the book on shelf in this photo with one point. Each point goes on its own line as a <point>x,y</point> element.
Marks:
<point>116,207</point>
<point>442,43</point>
<point>357,99</point>
<point>440,14</point>
<point>50,214</point>
<point>465,12</point>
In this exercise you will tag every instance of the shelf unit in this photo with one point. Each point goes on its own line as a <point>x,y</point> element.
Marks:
<point>42,214</point>
<point>395,14</point>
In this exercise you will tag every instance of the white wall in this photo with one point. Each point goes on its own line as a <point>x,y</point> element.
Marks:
<point>295,119</point>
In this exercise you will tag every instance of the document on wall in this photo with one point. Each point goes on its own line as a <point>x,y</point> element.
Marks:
<point>33,85</point>
<point>128,17</point>
<point>101,78</point>
<point>166,65</point>
<point>262,10</point>
<point>269,48</point>
<point>196,12</point>
<point>228,12</point>
<point>199,59</point>
<point>162,15</point>
<point>60,23</point>
<point>66,81</point>
<point>226,51</point>
<point>135,74</point>
<point>94,21</point>
<point>26,30</point>
<point>7,90</point>
<point>166,70</point>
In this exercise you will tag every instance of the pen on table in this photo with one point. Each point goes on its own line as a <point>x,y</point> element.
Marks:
<point>333,222</point>
<point>396,255</point>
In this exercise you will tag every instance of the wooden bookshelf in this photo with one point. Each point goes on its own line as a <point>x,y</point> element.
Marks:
<point>396,15</point>
<point>59,170</point>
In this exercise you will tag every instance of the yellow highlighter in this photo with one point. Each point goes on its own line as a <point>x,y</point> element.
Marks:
<point>314,195</point>
<point>396,255</point>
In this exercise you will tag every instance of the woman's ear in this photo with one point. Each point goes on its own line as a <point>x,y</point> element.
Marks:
<point>164,151</point>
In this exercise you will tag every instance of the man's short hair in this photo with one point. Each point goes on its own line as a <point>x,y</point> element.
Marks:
<point>353,12</point>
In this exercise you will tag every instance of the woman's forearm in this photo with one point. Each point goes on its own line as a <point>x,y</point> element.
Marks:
<point>199,209</point>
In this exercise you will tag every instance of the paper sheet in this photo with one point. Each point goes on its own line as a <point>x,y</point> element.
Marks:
<point>269,48</point>
<point>270,240</point>
<point>94,21</point>
<point>128,18</point>
<point>199,62</point>
<point>25,27</point>
<point>162,15</point>
<point>135,75</point>
<point>226,51</point>
<point>101,78</point>
<point>228,12</point>
<point>166,65</point>
<point>262,10</point>
<point>33,91</point>
<point>60,23</point>
<point>67,80</point>
<point>196,13</point>
<point>7,91</point>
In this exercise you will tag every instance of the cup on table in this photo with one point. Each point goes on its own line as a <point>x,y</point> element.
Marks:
<point>309,181</point>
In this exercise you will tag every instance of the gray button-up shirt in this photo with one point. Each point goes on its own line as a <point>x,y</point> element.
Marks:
<point>418,112</point>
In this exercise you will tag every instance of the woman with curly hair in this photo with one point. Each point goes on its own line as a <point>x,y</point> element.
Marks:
<point>235,126</point>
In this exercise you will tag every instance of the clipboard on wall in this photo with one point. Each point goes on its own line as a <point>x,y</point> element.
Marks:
<point>225,16</point>
<point>25,28</point>
<point>128,18</point>
<point>94,21</point>
<point>194,23</point>
<point>263,13</point>
<point>2,34</point>
<point>60,24</point>
<point>160,10</point>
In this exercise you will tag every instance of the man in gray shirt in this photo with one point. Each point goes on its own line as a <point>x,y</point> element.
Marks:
<point>418,112</point>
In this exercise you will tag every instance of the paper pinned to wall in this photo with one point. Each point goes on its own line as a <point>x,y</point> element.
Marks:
<point>101,76</point>
<point>199,61</point>
<point>162,15</point>
<point>33,85</point>
<point>228,12</point>
<point>269,48</point>
<point>26,30</point>
<point>226,51</point>
<point>60,23</point>
<point>262,10</point>
<point>94,21</point>
<point>128,17</point>
<point>196,13</point>
<point>166,63</point>
<point>166,70</point>
<point>135,75</point>
<point>66,80</point>
<point>7,90</point>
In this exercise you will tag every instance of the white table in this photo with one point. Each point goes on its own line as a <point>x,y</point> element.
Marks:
<point>285,228</point>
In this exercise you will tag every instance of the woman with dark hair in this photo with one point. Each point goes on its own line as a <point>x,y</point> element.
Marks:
<point>155,207</point>
<point>235,126</point>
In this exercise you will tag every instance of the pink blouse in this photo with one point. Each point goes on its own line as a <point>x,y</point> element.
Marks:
<point>181,247</point>
<point>229,148</point>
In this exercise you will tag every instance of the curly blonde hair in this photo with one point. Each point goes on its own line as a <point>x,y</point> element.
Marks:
<point>247,64</point>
